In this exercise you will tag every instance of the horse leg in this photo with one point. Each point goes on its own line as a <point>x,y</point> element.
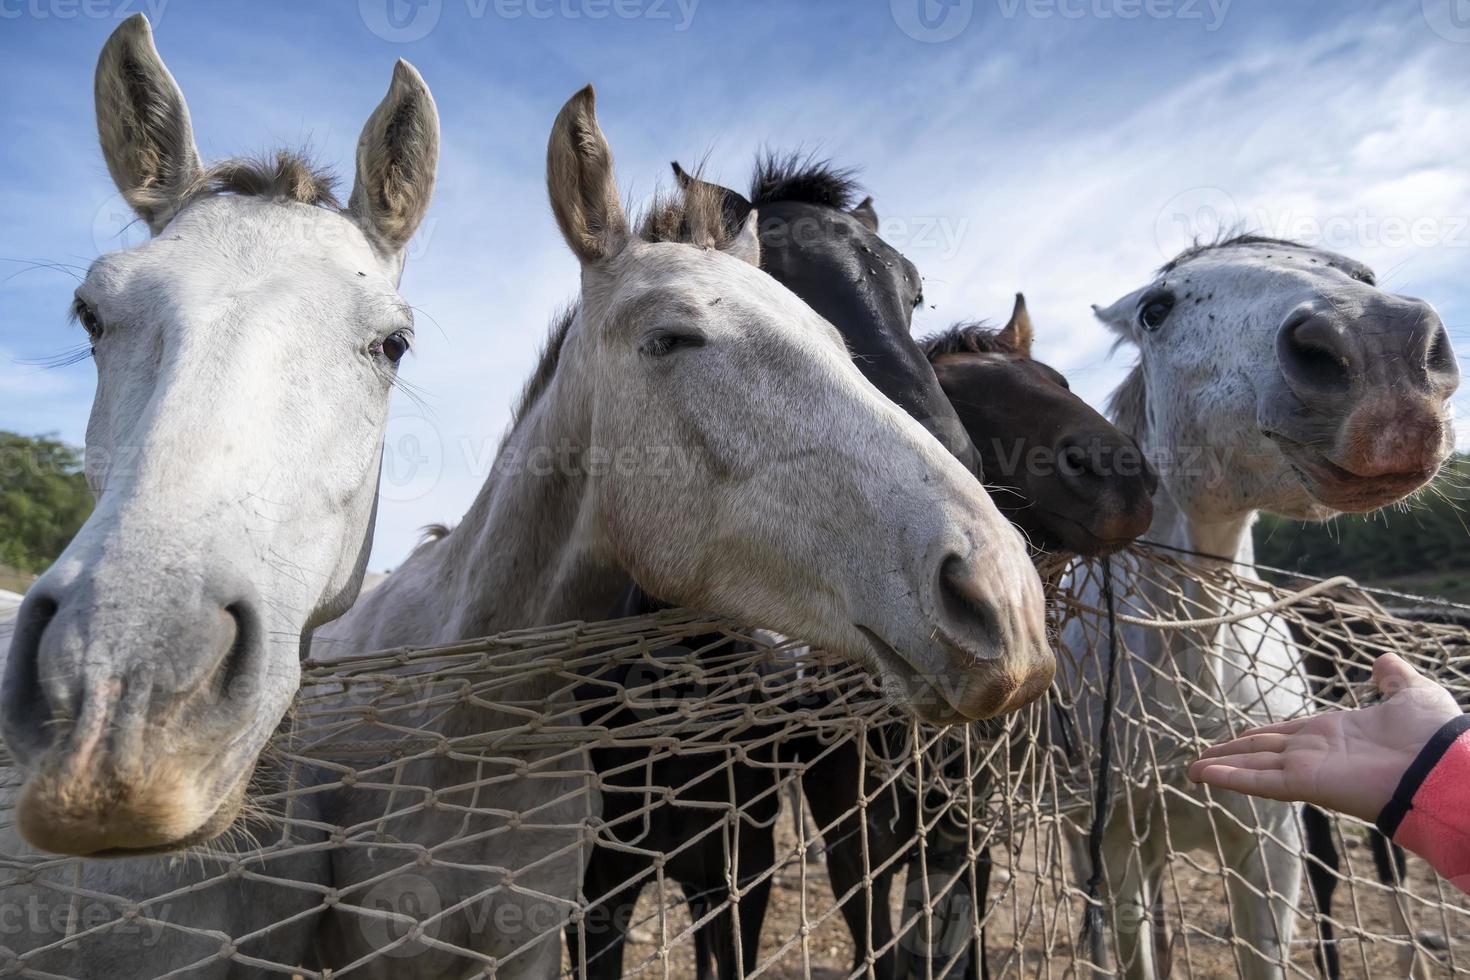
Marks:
<point>1389,862</point>
<point>978,968</point>
<point>1322,875</point>
<point>607,916</point>
<point>1163,945</point>
<point>834,807</point>
<point>752,913</point>
<point>1264,866</point>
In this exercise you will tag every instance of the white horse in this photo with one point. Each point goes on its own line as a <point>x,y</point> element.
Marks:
<point>245,356</point>
<point>697,427</point>
<point>1273,377</point>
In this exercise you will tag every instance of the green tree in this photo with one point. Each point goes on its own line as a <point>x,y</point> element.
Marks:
<point>44,499</point>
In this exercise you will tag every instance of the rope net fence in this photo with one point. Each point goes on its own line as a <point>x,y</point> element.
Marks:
<point>670,794</point>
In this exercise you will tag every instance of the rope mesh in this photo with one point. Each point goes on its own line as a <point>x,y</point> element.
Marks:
<point>502,807</point>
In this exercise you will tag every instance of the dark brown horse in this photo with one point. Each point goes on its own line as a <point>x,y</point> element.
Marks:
<point>1059,470</point>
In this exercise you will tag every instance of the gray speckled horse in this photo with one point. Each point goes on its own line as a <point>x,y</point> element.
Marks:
<point>1271,377</point>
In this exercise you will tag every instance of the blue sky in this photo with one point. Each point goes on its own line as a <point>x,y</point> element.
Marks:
<point>1060,147</point>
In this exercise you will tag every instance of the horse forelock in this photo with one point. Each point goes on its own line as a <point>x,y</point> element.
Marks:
<point>967,337</point>
<point>287,177</point>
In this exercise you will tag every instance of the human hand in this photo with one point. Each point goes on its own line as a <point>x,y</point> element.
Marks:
<point>1345,760</point>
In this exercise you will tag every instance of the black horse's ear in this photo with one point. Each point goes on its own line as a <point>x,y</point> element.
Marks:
<point>1018,334</point>
<point>734,209</point>
<point>864,213</point>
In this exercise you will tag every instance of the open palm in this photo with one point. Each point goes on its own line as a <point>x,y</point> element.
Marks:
<point>1349,761</point>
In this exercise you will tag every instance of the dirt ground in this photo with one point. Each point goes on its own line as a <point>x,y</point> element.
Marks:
<point>1031,923</point>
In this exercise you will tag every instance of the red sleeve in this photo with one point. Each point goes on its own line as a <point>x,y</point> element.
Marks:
<point>1430,811</point>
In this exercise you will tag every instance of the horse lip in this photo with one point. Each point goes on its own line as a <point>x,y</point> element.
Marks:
<point>889,657</point>
<point>1097,545</point>
<point>1336,485</point>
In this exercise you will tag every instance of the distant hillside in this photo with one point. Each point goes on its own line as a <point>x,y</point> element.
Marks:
<point>1421,547</point>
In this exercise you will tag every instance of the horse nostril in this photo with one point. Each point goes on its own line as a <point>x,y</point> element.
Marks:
<point>1079,468</point>
<point>27,711</point>
<point>1313,353</point>
<point>1444,370</point>
<point>966,610</point>
<point>234,676</point>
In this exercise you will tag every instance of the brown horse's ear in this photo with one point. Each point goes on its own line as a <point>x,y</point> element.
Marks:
<point>1018,333</point>
<point>866,215</point>
<point>143,125</point>
<point>579,179</point>
<point>735,210</point>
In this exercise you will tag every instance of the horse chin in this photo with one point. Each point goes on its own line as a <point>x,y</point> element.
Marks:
<point>1334,489</point>
<point>62,817</point>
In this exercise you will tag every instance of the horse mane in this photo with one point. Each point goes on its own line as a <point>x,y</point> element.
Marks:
<point>802,178</point>
<point>540,379</point>
<point>693,216</point>
<point>288,177</point>
<point>966,337</point>
<point>1128,404</point>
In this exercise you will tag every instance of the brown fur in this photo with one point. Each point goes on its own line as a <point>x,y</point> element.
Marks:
<point>978,337</point>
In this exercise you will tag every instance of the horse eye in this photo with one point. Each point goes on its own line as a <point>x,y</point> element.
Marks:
<point>662,343</point>
<point>393,346</point>
<point>89,320</point>
<point>1151,315</point>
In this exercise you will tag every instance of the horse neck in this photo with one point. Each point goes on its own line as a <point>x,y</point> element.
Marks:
<point>524,555</point>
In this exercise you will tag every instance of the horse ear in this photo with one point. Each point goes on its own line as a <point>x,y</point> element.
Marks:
<point>397,157</point>
<point>579,179</point>
<point>745,244</point>
<point>1119,317</point>
<point>143,125</point>
<point>1018,334</point>
<point>866,215</point>
<point>737,235</point>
